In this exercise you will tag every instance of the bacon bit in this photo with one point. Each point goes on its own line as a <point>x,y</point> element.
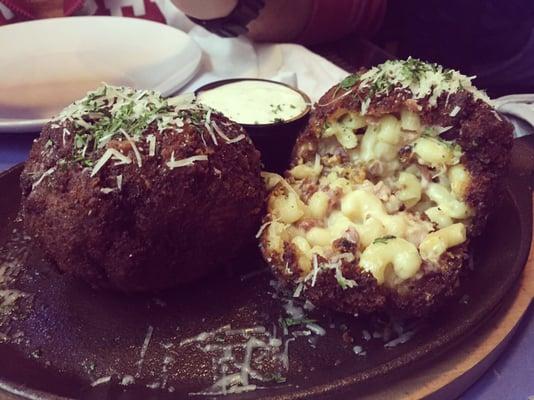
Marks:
<point>308,223</point>
<point>347,338</point>
<point>334,197</point>
<point>122,145</point>
<point>425,172</point>
<point>344,246</point>
<point>376,167</point>
<point>412,105</point>
<point>307,189</point>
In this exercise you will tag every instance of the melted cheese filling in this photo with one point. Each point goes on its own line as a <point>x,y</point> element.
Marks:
<point>391,187</point>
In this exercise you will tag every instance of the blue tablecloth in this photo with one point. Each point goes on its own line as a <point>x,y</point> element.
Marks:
<point>510,378</point>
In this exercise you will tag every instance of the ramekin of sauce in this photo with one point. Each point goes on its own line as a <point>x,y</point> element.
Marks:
<point>272,113</point>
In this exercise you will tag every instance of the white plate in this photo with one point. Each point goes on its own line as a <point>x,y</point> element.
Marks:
<point>46,64</point>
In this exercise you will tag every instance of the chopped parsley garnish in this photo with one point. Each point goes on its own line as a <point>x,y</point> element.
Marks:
<point>349,81</point>
<point>383,239</point>
<point>196,118</point>
<point>276,108</point>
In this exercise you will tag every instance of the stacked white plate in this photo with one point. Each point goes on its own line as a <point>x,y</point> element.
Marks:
<point>47,64</point>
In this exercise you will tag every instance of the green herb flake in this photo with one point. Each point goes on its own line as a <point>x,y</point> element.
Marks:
<point>383,239</point>
<point>276,109</point>
<point>349,81</point>
<point>49,143</point>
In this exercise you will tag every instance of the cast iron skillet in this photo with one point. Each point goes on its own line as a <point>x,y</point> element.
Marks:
<point>62,335</point>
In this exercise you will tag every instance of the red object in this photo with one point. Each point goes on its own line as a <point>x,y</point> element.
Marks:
<point>20,10</point>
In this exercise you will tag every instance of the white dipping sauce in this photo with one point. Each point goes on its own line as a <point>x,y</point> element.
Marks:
<point>254,102</point>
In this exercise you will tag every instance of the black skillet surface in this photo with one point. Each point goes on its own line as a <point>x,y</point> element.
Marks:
<point>59,336</point>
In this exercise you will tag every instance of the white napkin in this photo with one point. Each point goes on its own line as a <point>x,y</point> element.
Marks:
<point>519,108</point>
<point>225,58</point>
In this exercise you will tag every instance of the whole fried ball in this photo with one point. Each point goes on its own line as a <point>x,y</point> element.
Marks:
<point>129,191</point>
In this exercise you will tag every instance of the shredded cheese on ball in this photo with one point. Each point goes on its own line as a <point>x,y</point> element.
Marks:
<point>184,162</point>
<point>43,176</point>
<point>151,139</point>
<point>424,80</point>
<point>112,115</point>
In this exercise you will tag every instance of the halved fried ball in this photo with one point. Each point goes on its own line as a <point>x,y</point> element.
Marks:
<point>396,171</point>
<point>127,190</point>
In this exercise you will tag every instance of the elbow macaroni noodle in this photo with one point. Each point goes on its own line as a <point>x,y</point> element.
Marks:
<point>398,253</point>
<point>436,243</point>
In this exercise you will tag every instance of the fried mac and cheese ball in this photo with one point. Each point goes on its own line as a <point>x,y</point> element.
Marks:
<point>130,191</point>
<point>395,173</point>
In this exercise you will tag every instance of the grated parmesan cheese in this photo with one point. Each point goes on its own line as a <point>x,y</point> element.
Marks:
<point>151,139</point>
<point>144,348</point>
<point>134,148</point>
<point>223,135</point>
<point>358,350</point>
<point>422,79</point>
<point>298,290</point>
<point>262,228</point>
<point>65,132</point>
<point>184,162</point>
<point>105,158</point>
<point>101,381</point>
<point>315,328</point>
<point>44,175</point>
<point>127,380</point>
<point>455,111</point>
<point>400,340</point>
<point>315,269</point>
<point>209,128</point>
